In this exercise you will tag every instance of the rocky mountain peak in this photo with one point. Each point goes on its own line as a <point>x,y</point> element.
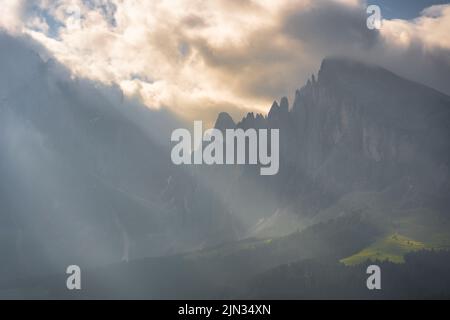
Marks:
<point>284,105</point>
<point>224,121</point>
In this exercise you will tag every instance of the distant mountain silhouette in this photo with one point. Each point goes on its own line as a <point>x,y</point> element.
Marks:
<point>86,174</point>
<point>356,128</point>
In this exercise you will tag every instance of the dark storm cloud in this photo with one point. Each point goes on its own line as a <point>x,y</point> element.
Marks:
<point>330,26</point>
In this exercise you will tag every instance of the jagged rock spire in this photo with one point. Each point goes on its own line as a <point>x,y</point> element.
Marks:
<point>224,121</point>
<point>284,105</point>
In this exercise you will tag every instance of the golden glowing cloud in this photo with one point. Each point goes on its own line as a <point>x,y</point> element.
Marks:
<point>199,57</point>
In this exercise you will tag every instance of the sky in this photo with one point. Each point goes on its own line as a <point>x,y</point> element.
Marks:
<point>404,9</point>
<point>198,58</point>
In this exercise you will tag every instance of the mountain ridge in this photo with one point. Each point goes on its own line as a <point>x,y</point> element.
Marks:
<point>357,127</point>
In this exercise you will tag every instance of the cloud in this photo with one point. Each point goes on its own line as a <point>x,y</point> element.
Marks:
<point>196,57</point>
<point>430,29</point>
<point>418,49</point>
<point>10,15</point>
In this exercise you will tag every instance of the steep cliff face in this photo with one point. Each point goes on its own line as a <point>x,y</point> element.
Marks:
<point>361,127</point>
<point>374,112</point>
<point>357,128</point>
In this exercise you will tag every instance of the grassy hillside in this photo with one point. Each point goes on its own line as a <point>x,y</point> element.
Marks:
<point>403,230</point>
<point>392,248</point>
